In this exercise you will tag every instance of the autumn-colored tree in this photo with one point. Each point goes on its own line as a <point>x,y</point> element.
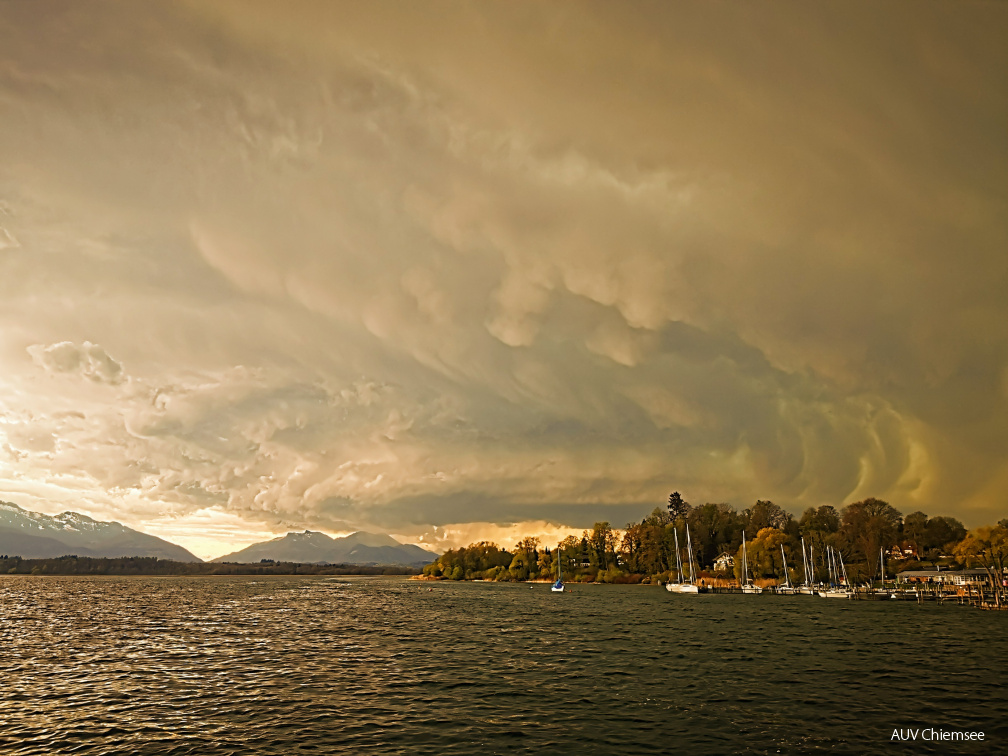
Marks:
<point>567,550</point>
<point>763,554</point>
<point>630,546</point>
<point>656,547</point>
<point>473,560</point>
<point>603,544</point>
<point>988,547</point>
<point>546,563</point>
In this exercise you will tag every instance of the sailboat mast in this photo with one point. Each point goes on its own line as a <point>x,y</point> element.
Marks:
<point>804,560</point>
<point>689,553</point>
<point>745,562</point>
<point>678,558</point>
<point>787,580</point>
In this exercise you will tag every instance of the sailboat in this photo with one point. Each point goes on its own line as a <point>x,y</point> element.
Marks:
<point>881,593</point>
<point>807,586</point>
<point>747,584</point>
<point>834,590</point>
<point>682,587</point>
<point>558,586</point>
<point>787,588</point>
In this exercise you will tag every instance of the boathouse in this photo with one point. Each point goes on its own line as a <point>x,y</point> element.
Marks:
<point>946,577</point>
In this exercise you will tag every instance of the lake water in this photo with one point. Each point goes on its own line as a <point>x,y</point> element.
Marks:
<point>249,665</point>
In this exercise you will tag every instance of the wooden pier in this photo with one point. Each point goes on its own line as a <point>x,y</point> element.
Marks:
<point>972,594</point>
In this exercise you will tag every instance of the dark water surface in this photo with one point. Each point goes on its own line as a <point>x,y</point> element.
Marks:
<point>250,665</point>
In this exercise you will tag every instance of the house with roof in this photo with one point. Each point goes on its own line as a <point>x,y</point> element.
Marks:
<point>904,550</point>
<point>724,563</point>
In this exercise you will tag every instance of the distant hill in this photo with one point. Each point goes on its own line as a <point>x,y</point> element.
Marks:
<point>310,547</point>
<point>32,535</point>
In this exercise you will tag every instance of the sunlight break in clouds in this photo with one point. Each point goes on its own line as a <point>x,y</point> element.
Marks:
<point>483,270</point>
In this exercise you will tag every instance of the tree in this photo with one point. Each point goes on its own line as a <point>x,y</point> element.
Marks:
<point>820,529</point>
<point>657,543</point>
<point>915,530</point>
<point>659,516</point>
<point>823,520</point>
<point>763,555</point>
<point>765,514</point>
<point>942,532</point>
<point>520,566</point>
<point>677,507</point>
<point>870,526</point>
<point>528,547</point>
<point>474,560</point>
<point>528,544</point>
<point>987,546</point>
<point>546,560</point>
<point>603,544</point>
<point>713,528</point>
<point>568,550</point>
<point>630,546</point>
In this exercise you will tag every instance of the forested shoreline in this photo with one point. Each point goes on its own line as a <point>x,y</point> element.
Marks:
<point>872,537</point>
<point>75,565</point>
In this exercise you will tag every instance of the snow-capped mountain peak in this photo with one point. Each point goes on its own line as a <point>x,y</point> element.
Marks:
<point>33,534</point>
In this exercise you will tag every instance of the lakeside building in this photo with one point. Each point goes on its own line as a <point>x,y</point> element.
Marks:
<point>947,577</point>
<point>724,563</point>
<point>904,550</point>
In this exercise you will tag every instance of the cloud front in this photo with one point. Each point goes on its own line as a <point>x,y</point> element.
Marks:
<point>452,269</point>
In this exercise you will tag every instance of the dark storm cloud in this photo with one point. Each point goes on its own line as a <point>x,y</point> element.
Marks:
<point>499,262</point>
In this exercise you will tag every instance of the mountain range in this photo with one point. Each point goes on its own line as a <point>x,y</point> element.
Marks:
<point>312,547</point>
<point>32,535</point>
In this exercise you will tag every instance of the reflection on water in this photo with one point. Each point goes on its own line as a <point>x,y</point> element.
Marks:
<point>242,665</point>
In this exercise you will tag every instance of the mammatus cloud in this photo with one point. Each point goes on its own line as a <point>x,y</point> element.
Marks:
<point>6,240</point>
<point>88,360</point>
<point>368,270</point>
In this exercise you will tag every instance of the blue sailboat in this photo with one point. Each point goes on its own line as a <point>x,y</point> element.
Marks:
<point>558,586</point>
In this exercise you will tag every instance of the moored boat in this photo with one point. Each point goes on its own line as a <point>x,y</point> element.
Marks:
<point>787,589</point>
<point>682,586</point>
<point>747,585</point>
<point>558,586</point>
<point>838,587</point>
<point>835,593</point>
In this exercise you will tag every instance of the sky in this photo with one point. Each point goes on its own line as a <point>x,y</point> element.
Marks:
<point>455,271</point>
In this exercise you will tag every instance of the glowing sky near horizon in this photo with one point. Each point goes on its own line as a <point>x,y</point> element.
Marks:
<point>463,270</point>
